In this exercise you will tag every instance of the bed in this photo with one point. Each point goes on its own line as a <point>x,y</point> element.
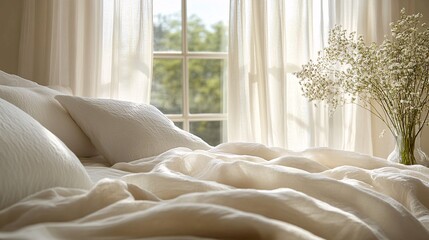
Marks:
<point>82,168</point>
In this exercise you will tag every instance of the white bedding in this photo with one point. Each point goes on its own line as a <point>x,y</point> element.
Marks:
<point>233,191</point>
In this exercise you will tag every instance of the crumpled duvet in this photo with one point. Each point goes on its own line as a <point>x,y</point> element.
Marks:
<point>234,191</point>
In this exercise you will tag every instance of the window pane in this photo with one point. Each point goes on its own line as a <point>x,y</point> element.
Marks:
<point>179,124</point>
<point>167,25</point>
<point>166,92</point>
<point>207,25</point>
<point>209,131</point>
<point>206,85</point>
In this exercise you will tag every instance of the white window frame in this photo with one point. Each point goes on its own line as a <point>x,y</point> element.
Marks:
<point>186,117</point>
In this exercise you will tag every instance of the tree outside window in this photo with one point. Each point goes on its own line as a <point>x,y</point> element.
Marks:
<point>190,53</point>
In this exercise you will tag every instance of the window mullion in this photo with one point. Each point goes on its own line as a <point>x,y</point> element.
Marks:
<point>185,67</point>
<point>195,55</point>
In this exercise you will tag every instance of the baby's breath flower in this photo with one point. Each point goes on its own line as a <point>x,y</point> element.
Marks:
<point>393,75</point>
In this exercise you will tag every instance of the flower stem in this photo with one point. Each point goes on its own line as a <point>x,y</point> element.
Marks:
<point>406,149</point>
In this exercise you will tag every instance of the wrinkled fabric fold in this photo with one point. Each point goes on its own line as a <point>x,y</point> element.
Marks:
<point>235,191</point>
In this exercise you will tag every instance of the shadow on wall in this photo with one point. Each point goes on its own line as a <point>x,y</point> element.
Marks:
<point>10,29</point>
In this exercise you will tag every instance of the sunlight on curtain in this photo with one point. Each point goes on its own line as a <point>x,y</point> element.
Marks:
<point>264,104</point>
<point>98,48</point>
<point>268,41</point>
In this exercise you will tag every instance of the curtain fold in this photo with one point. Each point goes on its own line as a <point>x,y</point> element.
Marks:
<point>97,48</point>
<point>269,40</point>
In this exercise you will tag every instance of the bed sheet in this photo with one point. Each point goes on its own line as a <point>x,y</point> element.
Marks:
<point>233,191</point>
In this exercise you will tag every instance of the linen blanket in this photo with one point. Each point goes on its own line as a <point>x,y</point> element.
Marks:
<point>233,191</point>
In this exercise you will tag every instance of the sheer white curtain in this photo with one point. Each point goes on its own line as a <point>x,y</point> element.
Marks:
<point>269,40</point>
<point>99,48</point>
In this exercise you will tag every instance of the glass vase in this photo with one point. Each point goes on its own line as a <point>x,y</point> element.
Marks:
<point>408,151</point>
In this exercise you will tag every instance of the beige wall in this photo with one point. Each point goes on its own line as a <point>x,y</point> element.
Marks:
<point>422,6</point>
<point>10,29</point>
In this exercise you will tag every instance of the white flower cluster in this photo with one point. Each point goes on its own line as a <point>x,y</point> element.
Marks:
<point>394,74</point>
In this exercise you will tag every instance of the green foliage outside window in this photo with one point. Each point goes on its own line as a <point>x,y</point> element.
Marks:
<point>205,75</point>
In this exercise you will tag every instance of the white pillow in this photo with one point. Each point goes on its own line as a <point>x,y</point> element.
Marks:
<point>32,158</point>
<point>125,131</point>
<point>39,102</point>
<point>14,80</point>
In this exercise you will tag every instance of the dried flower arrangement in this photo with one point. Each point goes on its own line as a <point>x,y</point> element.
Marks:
<point>393,75</point>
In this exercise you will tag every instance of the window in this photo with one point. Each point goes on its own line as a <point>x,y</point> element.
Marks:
<point>189,67</point>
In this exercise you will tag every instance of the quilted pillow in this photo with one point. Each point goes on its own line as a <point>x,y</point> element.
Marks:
<point>32,158</point>
<point>39,102</point>
<point>125,131</point>
<point>14,80</point>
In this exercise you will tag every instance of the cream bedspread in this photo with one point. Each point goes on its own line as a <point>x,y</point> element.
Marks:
<point>234,191</point>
